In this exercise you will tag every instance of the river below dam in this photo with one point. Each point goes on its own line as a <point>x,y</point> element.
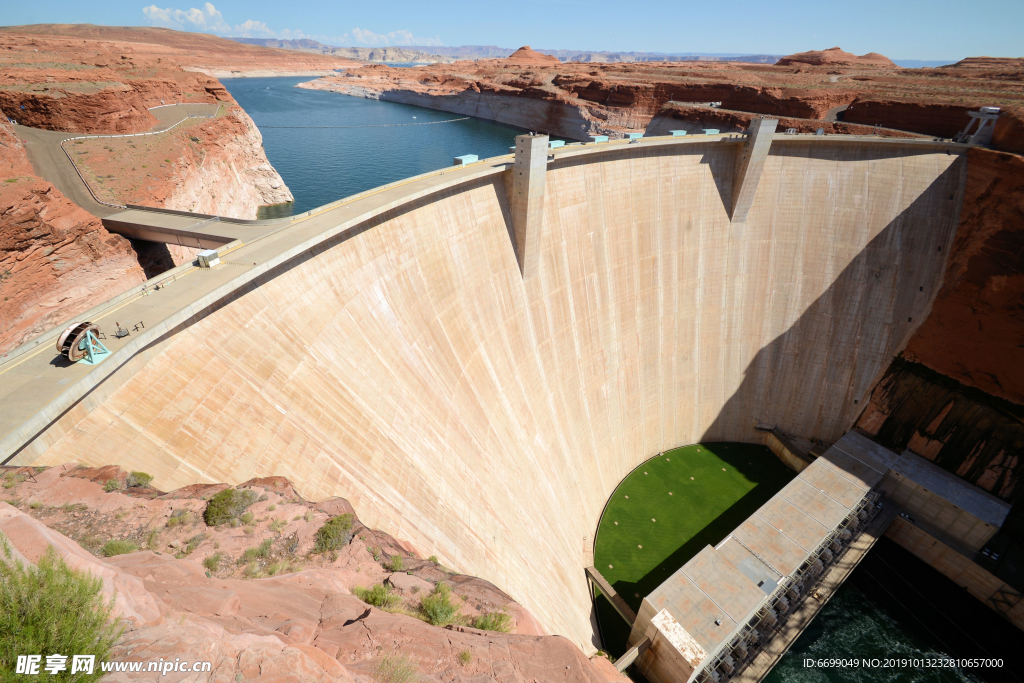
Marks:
<point>329,146</point>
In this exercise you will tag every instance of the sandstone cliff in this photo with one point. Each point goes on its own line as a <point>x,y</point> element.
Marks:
<point>214,166</point>
<point>835,56</point>
<point>56,259</point>
<point>285,613</point>
<point>975,331</point>
<point>577,100</point>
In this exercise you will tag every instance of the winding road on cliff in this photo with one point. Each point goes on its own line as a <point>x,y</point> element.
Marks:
<point>53,165</point>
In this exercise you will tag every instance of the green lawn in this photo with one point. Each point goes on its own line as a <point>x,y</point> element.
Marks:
<point>668,509</point>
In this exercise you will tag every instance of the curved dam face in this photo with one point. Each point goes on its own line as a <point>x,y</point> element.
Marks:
<point>410,368</point>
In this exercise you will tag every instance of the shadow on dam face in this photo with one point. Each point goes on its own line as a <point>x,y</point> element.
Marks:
<point>486,419</point>
<point>888,285</point>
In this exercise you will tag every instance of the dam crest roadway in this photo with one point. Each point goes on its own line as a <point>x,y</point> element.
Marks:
<point>419,346</point>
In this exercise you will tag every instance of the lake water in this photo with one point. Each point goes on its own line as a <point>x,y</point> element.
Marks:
<point>376,146</point>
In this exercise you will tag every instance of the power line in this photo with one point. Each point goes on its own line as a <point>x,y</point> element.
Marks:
<point>377,125</point>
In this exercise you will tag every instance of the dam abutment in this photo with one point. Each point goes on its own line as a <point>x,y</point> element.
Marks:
<point>415,369</point>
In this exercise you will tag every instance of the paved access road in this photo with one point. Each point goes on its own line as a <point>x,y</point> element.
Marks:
<point>52,164</point>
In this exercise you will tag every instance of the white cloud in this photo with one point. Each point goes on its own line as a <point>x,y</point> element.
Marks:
<point>210,20</point>
<point>401,37</point>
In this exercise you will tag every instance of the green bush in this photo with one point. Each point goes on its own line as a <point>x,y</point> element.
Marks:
<point>465,657</point>
<point>394,668</point>
<point>397,563</point>
<point>438,606</point>
<point>52,609</point>
<point>193,543</point>
<point>112,485</point>
<point>494,621</point>
<point>227,505</point>
<point>277,525</point>
<point>334,533</point>
<point>246,518</point>
<point>378,596</point>
<point>252,554</point>
<point>138,479</point>
<point>433,558</point>
<point>212,562</point>
<point>118,547</point>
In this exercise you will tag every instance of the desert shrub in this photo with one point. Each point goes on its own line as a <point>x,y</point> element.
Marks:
<point>438,606</point>
<point>433,558</point>
<point>212,562</point>
<point>252,571</point>
<point>271,507</point>
<point>394,668</point>
<point>263,498</point>
<point>118,547</point>
<point>235,523</point>
<point>112,485</point>
<point>277,525</point>
<point>465,657</point>
<point>12,480</point>
<point>138,479</point>
<point>35,505</point>
<point>283,567</point>
<point>246,518</point>
<point>52,609</point>
<point>397,563</point>
<point>333,534</point>
<point>193,543</point>
<point>378,596</point>
<point>494,621</point>
<point>152,539</point>
<point>309,516</point>
<point>253,554</point>
<point>227,505</point>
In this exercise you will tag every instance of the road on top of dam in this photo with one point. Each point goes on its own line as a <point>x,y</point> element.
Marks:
<point>37,385</point>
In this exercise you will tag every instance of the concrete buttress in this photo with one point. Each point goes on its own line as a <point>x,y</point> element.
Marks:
<point>529,179</point>
<point>749,167</point>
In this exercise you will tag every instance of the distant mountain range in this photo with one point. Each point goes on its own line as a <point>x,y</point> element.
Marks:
<point>431,54</point>
<point>383,55</point>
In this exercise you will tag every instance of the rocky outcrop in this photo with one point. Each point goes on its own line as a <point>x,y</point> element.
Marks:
<point>56,259</point>
<point>976,325</point>
<point>835,56</point>
<point>162,47</point>
<point>695,119</point>
<point>940,120</point>
<point>570,100</point>
<point>298,623</point>
<point>526,56</point>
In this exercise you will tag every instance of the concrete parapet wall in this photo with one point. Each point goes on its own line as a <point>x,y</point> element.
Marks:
<point>983,585</point>
<point>486,418</point>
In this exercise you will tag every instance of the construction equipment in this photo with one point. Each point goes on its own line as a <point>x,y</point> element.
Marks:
<point>81,342</point>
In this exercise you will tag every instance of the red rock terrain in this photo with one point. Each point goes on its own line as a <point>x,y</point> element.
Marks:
<point>55,258</point>
<point>835,56</point>
<point>287,614</point>
<point>975,333</point>
<point>577,100</point>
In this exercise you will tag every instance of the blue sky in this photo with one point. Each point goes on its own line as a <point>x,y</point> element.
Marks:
<point>914,29</point>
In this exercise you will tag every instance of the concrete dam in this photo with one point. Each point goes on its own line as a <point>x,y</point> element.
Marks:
<point>479,391</point>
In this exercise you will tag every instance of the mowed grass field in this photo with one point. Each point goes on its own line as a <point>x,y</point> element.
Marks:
<point>669,508</point>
